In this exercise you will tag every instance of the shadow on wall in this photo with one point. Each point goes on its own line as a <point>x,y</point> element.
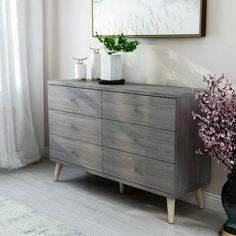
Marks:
<point>51,53</point>
<point>163,66</point>
<point>56,38</point>
<point>219,174</point>
<point>52,49</point>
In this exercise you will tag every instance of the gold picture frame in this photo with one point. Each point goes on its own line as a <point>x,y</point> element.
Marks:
<point>201,33</point>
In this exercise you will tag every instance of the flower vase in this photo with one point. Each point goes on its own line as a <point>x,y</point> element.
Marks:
<point>80,71</point>
<point>111,67</point>
<point>228,195</point>
<point>96,64</point>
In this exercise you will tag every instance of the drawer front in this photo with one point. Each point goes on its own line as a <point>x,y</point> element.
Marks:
<point>144,171</point>
<point>80,101</point>
<point>149,142</point>
<point>76,152</point>
<point>83,128</point>
<point>136,109</point>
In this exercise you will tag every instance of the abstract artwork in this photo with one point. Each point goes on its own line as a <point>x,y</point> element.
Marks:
<point>154,18</point>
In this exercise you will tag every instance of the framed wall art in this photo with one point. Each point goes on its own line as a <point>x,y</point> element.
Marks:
<point>149,18</point>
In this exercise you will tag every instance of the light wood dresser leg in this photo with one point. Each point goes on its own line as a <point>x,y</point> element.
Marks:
<point>122,188</point>
<point>171,210</point>
<point>199,198</point>
<point>224,233</point>
<point>57,171</point>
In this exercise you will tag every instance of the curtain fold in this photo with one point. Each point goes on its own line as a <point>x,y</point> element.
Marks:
<point>18,145</point>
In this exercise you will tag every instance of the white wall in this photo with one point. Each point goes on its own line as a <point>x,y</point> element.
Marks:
<point>179,62</point>
<point>35,66</point>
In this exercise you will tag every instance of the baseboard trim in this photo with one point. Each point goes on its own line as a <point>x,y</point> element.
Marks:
<point>211,201</point>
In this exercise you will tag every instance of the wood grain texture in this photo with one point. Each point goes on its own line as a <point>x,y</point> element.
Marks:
<point>57,172</point>
<point>135,185</point>
<point>199,198</point>
<point>76,152</point>
<point>171,210</point>
<point>80,101</point>
<point>132,88</point>
<point>224,233</point>
<point>149,142</point>
<point>79,127</point>
<point>144,171</point>
<point>147,122</point>
<point>143,110</point>
<point>192,171</point>
<point>122,188</point>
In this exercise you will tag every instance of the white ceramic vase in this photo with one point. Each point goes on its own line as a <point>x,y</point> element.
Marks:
<point>80,71</point>
<point>95,66</point>
<point>111,67</point>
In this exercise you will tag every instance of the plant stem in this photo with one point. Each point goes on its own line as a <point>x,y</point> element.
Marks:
<point>222,160</point>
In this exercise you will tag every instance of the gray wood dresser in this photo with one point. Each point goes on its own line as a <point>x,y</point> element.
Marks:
<point>135,134</point>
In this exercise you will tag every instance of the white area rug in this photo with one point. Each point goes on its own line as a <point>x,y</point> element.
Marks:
<point>19,220</point>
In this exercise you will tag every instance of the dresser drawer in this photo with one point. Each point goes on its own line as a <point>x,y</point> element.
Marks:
<point>136,109</point>
<point>80,101</point>
<point>144,171</point>
<point>76,152</point>
<point>83,128</point>
<point>140,140</point>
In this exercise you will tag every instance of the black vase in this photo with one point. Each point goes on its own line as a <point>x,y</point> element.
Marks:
<point>228,195</point>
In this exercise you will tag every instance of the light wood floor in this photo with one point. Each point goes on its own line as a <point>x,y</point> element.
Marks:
<point>94,204</point>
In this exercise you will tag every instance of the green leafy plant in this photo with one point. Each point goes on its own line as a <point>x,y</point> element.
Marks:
<point>117,43</point>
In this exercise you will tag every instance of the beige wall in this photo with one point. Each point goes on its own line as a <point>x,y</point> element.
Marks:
<point>35,66</point>
<point>179,62</point>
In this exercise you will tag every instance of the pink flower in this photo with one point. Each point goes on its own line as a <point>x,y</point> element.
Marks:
<point>217,120</point>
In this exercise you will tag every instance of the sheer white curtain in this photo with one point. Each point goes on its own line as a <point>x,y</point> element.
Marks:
<point>18,145</point>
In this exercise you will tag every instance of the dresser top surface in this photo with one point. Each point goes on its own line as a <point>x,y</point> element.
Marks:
<point>133,88</point>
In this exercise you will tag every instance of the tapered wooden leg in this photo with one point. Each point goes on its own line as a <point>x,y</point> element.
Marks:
<point>223,233</point>
<point>199,198</point>
<point>57,171</point>
<point>122,188</point>
<point>171,210</point>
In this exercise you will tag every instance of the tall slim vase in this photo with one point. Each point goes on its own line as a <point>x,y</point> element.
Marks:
<point>95,64</point>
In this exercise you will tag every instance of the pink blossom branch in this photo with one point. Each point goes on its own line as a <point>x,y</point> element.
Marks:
<point>222,160</point>
<point>217,120</point>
